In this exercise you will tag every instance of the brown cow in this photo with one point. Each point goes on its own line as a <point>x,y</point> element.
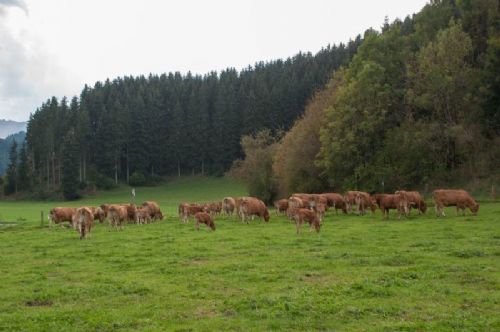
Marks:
<point>397,201</point>
<point>105,208</point>
<point>281,206</point>
<point>98,213</point>
<point>60,214</point>
<point>450,197</point>
<point>299,215</point>
<point>143,215</point>
<point>204,218</point>
<point>190,210</point>
<point>361,200</point>
<point>298,203</point>
<point>228,205</point>
<point>117,215</point>
<point>336,201</point>
<point>251,206</point>
<point>154,210</point>
<point>415,200</point>
<point>320,210</point>
<point>84,219</point>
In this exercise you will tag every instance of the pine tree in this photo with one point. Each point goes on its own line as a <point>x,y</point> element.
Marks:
<point>11,174</point>
<point>70,164</point>
<point>23,170</point>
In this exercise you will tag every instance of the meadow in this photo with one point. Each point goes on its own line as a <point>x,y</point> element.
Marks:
<point>359,273</point>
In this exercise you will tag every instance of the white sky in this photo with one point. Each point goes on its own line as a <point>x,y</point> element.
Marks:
<point>54,47</point>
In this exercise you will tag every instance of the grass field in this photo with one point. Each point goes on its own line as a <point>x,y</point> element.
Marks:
<point>359,273</point>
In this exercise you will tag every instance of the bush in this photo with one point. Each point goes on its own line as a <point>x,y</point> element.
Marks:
<point>137,179</point>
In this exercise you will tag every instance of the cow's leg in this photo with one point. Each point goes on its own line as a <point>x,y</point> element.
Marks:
<point>197,225</point>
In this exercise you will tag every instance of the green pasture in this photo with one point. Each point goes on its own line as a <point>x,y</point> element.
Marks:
<point>357,274</point>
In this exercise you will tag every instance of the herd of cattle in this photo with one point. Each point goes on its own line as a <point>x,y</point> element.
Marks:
<point>300,208</point>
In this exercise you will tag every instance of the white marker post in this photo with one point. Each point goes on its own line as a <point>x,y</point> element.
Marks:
<point>133,195</point>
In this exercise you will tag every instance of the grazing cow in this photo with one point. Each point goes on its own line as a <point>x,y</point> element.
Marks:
<point>190,210</point>
<point>336,201</point>
<point>251,206</point>
<point>450,197</point>
<point>361,200</point>
<point>117,215</point>
<point>228,205</point>
<point>84,219</point>
<point>98,213</point>
<point>154,210</point>
<point>204,218</point>
<point>315,199</point>
<point>60,214</point>
<point>415,200</point>
<point>281,206</point>
<point>397,201</point>
<point>143,215</point>
<point>299,215</point>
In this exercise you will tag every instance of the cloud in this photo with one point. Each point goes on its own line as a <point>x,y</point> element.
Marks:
<point>13,3</point>
<point>28,73</point>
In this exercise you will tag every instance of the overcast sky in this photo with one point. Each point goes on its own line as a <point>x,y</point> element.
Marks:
<point>54,47</point>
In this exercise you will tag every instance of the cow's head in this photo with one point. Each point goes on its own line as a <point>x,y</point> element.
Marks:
<point>266,215</point>
<point>474,209</point>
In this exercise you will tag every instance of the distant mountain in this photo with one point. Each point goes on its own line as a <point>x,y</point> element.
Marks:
<point>5,145</point>
<point>8,127</point>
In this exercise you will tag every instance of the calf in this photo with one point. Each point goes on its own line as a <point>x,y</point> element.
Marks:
<point>301,215</point>
<point>449,197</point>
<point>204,218</point>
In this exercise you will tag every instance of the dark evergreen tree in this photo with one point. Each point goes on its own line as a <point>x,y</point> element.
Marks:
<point>23,170</point>
<point>70,164</point>
<point>10,186</point>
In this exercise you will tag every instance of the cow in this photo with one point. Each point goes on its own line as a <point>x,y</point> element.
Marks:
<point>281,206</point>
<point>397,201</point>
<point>336,201</point>
<point>105,208</point>
<point>315,199</point>
<point>98,213</point>
<point>451,197</point>
<point>117,215</point>
<point>228,205</point>
<point>415,200</point>
<point>204,218</point>
<point>143,215</point>
<point>301,215</point>
<point>298,203</point>
<point>190,210</point>
<point>154,210</point>
<point>84,219</point>
<point>213,208</point>
<point>361,200</point>
<point>251,207</point>
<point>320,210</point>
<point>59,214</point>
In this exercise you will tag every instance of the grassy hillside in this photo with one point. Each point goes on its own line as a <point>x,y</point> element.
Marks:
<point>359,273</point>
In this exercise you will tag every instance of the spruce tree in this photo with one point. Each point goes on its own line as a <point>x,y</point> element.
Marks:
<point>23,170</point>
<point>70,164</point>
<point>11,173</point>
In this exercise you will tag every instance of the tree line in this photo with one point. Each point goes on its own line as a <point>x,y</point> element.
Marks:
<point>136,129</point>
<point>418,104</point>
